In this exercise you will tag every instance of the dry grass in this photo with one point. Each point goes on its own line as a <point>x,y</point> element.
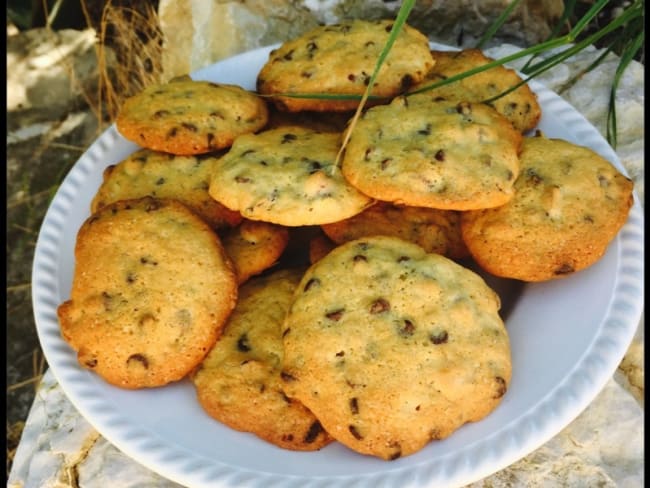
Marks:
<point>129,55</point>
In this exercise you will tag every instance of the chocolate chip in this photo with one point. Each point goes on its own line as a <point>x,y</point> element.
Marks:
<point>153,205</point>
<point>603,181</point>
<point>140,358</point>
<point>314,166</point>
<point>286,138</point>
<point>242,179</point>
<point>359,258</point>
<point>355,433</point>
<point>314,431</point>
<point>190,127</point>
<point>287,377</point>
<point>242,343</point>
<point>354,405</point>
<point>160,113</point>
<point>406,82</point>
<point>311,282</point>
<point>288,56</point>
<point>464,108</point>
<point>439,337</point>
<point>384,163</point>
<point>425,131</point>
<point>286,331</point>
<point>379,306</point>
<point>398,452</point>
<point>501,387</point>
<point>160,181</point>
<point>440,155</point>
<point>130,278</point>
<point>406,329</point>
<point>335,315</point>
<point>565,268</point>
<point>91,363</point>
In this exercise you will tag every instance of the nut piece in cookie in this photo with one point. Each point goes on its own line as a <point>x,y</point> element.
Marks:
<point>286,176</point>
<point>151,291</point>
<point>340,59</point>
<point>520,106</point>
<point>164,175</point>
<point>437,154</point>
<point>239,381</point>
<point>569,204</point>
<point>189,117</point>
<point>392,347</point>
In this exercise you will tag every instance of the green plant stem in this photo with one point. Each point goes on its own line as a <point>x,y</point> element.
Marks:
<point>627,57</point>
<point>402,15</point>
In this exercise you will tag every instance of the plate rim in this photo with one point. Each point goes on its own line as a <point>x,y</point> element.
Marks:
<point>587,378</point>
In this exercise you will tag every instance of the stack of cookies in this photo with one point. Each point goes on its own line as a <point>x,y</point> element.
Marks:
<point>315,290</point>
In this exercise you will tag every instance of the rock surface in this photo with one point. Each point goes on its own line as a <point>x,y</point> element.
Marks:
<point>199,33</point>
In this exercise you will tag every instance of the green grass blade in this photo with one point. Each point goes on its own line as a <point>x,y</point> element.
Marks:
<point>545,46</point>
<point>569,8</point>
<point>629,14</point>
<point>586,19</point>
<point>400,19</point>
<point>625,60</point>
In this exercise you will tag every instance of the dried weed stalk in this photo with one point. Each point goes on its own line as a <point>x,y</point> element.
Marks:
<point>129,55</point>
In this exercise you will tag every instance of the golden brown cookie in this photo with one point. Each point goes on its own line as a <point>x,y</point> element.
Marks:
<point>319,246</point>
<point>151,291</point>
<point>318,121</point>
<point>434,230</point>
<point>520,106</point>
<point>286,176</point>
<point>569,204</point>
<point>190,117</point>
<point>239,382</point>
<point>340,59</point>
<point>164,175</point>
<point>254,246</point>
<point>392,347</point>
<point>437,154</point>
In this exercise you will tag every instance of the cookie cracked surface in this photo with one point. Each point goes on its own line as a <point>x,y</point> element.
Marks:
<point>190,117</point>
<point>239,381</point>
<point>569,204</point>
<point>438,154</point>
<point>151,291</point>
<point>340,59</point>
<point>392,347</point>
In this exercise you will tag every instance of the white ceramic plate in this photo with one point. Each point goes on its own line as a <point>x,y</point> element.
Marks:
<point>568,336</point>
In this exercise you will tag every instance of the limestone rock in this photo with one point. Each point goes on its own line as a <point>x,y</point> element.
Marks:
<point>201,32</point>
<point>53,69</point>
